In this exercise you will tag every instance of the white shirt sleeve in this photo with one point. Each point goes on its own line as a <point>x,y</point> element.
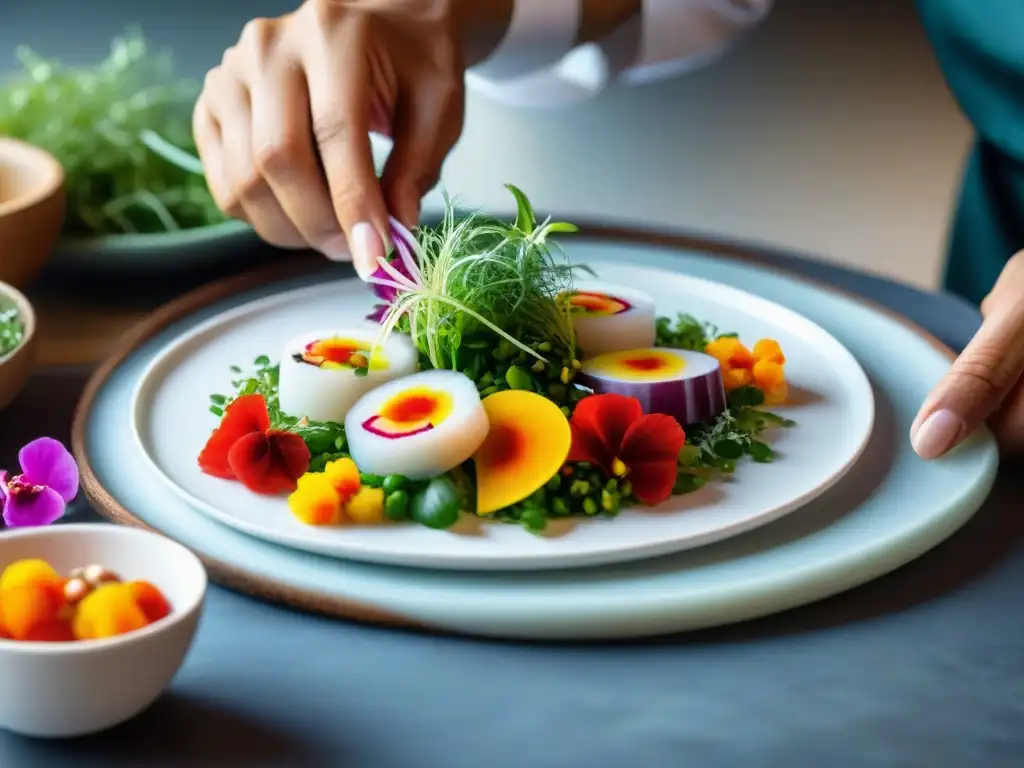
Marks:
<point>669,38</point>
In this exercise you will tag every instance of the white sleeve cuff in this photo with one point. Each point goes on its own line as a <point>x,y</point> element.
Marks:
<point>680,35</point>
<point>671,37</point>
<point>540,34</point>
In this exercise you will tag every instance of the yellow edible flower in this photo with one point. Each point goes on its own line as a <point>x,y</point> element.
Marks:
<point>763,367</point>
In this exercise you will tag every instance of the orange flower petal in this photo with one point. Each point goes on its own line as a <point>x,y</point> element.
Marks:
<point>734,378</point>
<point>769,350</point>
<point>730,352</point>
<point>768,375</point>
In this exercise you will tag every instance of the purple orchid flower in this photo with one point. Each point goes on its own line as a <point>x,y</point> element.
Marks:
<point>47,483</point>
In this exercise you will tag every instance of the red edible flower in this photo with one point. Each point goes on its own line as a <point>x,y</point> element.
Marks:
<point>612,432</point>
<point>245,448</point>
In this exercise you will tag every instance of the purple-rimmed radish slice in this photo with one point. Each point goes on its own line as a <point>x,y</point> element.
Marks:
<point>419,426</point>
<point>611,318</point>
<point>680,383</point>
<point>323,373</point>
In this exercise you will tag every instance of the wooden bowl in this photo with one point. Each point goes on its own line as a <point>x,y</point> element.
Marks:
<point>16,366</point>
<point>31,210</point>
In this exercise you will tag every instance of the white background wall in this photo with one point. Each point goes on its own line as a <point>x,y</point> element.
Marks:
<point>830,130</point>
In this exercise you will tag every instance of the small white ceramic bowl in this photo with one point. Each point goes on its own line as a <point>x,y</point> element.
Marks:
<point>59,690</point>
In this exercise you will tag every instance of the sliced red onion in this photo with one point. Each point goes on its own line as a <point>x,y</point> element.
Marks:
<point>692,392</point>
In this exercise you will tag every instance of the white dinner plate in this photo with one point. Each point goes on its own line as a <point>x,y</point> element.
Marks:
<point>833,405</point>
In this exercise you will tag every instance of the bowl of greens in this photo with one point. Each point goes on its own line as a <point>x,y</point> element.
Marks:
<point>18,342</point>
<point>121,129</point>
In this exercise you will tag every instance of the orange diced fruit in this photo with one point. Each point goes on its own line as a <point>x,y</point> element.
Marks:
<point>36,572</point>
<point>108,611</point>
<point>770,351</point>
<point>315,500</point>
<point>366,507</point>
<point>734,378</point>
<point>29,612</point>
<point>151,601</point>
<point>344,476</point>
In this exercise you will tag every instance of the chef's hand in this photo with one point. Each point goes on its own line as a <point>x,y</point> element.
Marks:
<point>985,383</point>
<point>282,125</point>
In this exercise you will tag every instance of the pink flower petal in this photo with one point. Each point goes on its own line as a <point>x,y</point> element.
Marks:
<point>25,510</point>
<point>46,461</point>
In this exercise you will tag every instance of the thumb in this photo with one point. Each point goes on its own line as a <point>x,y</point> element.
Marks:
<point>427,125</point>
<point>976,384</point>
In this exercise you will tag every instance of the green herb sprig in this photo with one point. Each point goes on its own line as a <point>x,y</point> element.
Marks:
<point>483,282</point>
<point>92,119</point>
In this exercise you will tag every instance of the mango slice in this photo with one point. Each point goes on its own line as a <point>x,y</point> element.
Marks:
<point>527,444</point>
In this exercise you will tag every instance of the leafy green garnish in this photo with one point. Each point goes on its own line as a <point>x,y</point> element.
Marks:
<point>686,332</point>
<point>93,120</point>
<point>325,440</point>
<point>485,282</point>
<point>12,330</point>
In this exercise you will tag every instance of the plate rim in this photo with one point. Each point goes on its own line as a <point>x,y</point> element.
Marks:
<point>146,385</point>
<point>258,585</point>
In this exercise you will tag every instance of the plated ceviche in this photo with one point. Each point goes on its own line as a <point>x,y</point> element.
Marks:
<point>495,379</point>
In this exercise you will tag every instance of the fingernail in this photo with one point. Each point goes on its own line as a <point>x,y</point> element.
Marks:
<point>336,248</point>
<point>937,434</point>
<point>367,247</point>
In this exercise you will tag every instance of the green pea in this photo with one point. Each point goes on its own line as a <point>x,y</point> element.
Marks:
<point>560,508</point>
<point>544,346</point>
<point>396,507</point>
<point>609,502</point>
<point>534,518</point>
<point>517,378</point>
<point>437,506</point>
<point>394,483</point>
<point>372,481</point>
<point>589,506</point>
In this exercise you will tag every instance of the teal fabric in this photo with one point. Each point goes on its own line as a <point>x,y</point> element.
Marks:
<point>980,46</point>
